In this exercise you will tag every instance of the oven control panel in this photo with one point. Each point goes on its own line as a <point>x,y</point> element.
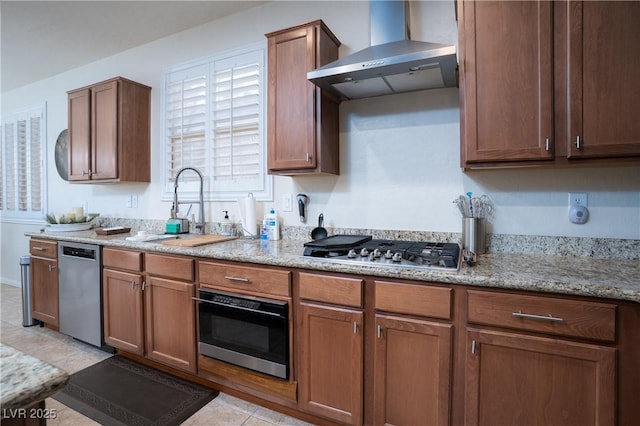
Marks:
<point>234,301</point>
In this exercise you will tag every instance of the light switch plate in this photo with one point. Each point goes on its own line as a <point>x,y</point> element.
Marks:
<point>287,201</point>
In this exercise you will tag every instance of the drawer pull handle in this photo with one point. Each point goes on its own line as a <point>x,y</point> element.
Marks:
<point>38,248</point>
<point>549,317</point>
<point>232,278</point>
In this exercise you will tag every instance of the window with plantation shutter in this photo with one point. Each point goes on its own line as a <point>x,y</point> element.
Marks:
<point>214,122</point>
<point>22,165</point>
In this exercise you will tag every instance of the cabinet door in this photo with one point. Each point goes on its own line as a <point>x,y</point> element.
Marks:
<point>292,141</point>
<point>514,379</point>
<point>170,323</point>
<point>44,290</point>
<point>331,362</point>
<point>79,141</point>
<point>604,78</point>
<point>506,81</point>
<point>412,373</point>
<point>122,304</point>
<point>104,131</point>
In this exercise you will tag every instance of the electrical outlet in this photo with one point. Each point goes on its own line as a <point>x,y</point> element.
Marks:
<point>578,199</point>
<point>287,201</point>
<point>128,201</point>
<point>134,201</point>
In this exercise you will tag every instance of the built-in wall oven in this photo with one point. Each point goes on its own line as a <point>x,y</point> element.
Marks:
<point>247,331</point>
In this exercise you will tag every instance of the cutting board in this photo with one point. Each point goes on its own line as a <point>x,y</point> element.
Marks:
<point>197,241</point>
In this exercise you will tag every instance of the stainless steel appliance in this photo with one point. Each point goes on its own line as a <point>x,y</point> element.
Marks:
<point>363,249</point>
<point>80,291</point>
<point>247,331</point>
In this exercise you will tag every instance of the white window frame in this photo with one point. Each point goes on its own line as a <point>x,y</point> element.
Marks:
<point>189,184</point>
<point>28,215</point>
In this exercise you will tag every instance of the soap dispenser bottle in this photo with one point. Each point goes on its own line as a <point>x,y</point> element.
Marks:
<point>226,226</point>
<point>272,225</point>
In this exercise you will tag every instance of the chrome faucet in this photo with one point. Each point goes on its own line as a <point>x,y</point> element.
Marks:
<point>174,209</point>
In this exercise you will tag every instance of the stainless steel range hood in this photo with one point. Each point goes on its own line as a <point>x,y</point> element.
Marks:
<point>393,63</point>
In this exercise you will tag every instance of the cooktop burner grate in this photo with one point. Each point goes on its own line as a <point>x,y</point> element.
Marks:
<point>390,253</point>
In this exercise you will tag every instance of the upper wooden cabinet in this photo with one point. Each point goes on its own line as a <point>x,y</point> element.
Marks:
<point>302,120</point>
<point>603,78</point>
<point>543,82</point>
<point>109,132</point>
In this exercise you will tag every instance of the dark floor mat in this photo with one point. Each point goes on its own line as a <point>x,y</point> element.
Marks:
<point>118,391</point>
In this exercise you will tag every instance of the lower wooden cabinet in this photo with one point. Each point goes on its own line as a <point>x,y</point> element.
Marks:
<point>44,290</point>
<point>149,315</point>
<point>123,312</point>
<point>170,323</point>
<point>330,342</point>
<point>412,372</point>
<point>44,281</point>
<point>517,379</point>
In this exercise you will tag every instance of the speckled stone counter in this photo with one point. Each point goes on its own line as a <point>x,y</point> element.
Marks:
<point>583,276</point>
<point>26,380</point>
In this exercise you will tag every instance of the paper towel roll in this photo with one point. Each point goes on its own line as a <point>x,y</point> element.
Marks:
<point>249,217</point>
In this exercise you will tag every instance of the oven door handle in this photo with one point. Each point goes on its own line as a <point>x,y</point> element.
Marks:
<point>273,314</point>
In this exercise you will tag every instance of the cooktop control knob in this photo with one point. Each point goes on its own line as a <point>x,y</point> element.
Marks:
<point>377,253</point>
<point>388,254</point>
<point>364,252</point>
<point>397,257</point>
<point>372,256</point>
<point>352,254</point>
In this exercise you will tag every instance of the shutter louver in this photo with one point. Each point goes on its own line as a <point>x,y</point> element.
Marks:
<point>214,122</point>
<point>22,162</point>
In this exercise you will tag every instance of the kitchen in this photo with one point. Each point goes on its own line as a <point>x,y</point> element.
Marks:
<point>400,154</point>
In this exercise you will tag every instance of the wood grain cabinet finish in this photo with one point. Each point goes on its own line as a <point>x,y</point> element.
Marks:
<point>506,80</point>
<point>302,119</point>
<point>603,78</point>
<point>517,379</point>
<point>564,317</point>
<point>170,322</point>
<point>150,314</point>
<point>548,82</point>
<point>412,372</point>
<point>109,132</point>
<point>245,279</point>
<point>123,310</point>
<point>330,345</point>
<point>43,276</point>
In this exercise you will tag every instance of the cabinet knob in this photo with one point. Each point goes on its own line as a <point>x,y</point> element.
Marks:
<point>51,268</point>
<point>308,157</point>
<point>133,284</point>
<point>578,143</point>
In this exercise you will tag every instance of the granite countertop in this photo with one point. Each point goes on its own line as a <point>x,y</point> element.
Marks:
<point>583,276</point>
<point>26,380</point>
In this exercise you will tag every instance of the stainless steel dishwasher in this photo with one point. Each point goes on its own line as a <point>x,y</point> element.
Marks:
<point>80,291</point>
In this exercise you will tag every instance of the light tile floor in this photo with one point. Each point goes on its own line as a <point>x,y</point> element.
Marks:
<point>70,355</point>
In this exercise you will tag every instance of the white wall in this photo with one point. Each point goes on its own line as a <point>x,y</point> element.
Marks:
<point>399,154</point>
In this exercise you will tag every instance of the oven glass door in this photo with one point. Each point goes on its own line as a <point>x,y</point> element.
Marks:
<point>247,331</point>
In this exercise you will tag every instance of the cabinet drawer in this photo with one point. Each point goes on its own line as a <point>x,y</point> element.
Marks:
<point>40,248</point>
<point>563,317</point>
<point>170,266</point>
<point>413,299</point>
<point>331,289</point>
<point>122,259</point>
<point>268,281</point>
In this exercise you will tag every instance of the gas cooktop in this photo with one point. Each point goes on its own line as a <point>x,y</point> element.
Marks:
<point>363,249</point>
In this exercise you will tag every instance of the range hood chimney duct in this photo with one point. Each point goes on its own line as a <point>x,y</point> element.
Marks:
<point>393,64</point>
